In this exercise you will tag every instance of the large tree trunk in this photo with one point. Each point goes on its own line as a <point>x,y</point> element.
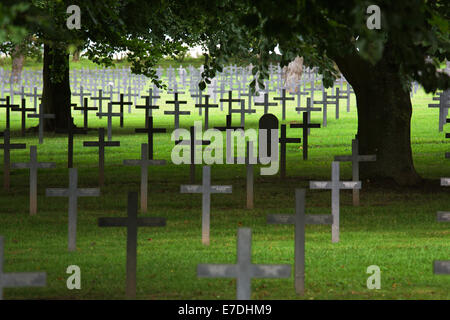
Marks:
<point>56,93</point>
<point>384,119</point>
<point>18,60</point>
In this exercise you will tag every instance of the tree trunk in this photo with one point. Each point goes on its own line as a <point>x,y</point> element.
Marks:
<point>76,56</point>
<point>56,92</point>
<point>18,60</point>
<point>384,119</point>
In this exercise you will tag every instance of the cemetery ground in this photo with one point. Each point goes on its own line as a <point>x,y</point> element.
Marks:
<point>395,229</point>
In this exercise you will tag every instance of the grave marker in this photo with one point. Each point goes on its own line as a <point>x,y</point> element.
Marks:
<point>355,159</point>
<point>283,100</point>
<point>17,280</point>
<point>73,193</point>
<point>283,141</point>
<point>150,104</point>
<point>132,222</point>
<point>228,129</point>
<point>230,101</point>
<point>206,189</point>
<point>193,142</point>
<point>335,186</point>
<point>207,106</point>
<point>8,107</point>
<point>442,266</point>
<point>101,144</point>
<point>23,110</point>
<point>249,160</point>
<point>324,104</point>
<point>85,110</point>
<point>176,111</point>
<point>121,103</point>
<point>305,126</point>
<point>109,115</point>
<point>33,165</point>
<point>242,111</point>
<point>100,99</point>
<point>266,104</point>
<point>299,220</point>
<point>71,131</point>
<point>150,130</point>
<point>7,146</point>
<point>144,163</point>
<point>268,122</point>
<point>41,116</point>
<point>308,110</point>
<point>244,270</point>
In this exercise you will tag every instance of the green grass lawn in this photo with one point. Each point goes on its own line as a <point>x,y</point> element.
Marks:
<point>394,229</point>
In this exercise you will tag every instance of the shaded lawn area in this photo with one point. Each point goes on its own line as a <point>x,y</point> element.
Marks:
<point>394,229</point>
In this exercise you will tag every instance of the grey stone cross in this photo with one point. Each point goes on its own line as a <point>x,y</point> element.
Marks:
<point>206,189</point>
<point>244,270</point>
<point>144,162</point>
<point>242,111</point>
<point>82,94</point>
<point>299,220</point>
<point>16,280</point>
<point>207,106</point>
<point>283,100</point>
<point>100,99</point>
<point>73,193</point>
<point>41,116</point>
<point>335,186</point>
<point>355,159</point>
<point>109,115</point>
<point>249,160</point>
<point>33,165</point>
<point>324,104</point>
<point>443,105</point>
<point>442,266</point>
<point>177,112</point>
<point>266,103</point>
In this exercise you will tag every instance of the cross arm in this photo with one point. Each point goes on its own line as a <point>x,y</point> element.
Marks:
<point>88,192</point>
<point>350,185</point>
<point>320,184</point>
<point>342,158</point>
<point>112,222</point>
<point>443,216</point>
<point>441,267</point>
<point>221,189</point>
<point>217,271</point>
<point>21,165</point>
<point>24,279</point>
<point>151,222</point>
<point>271,270</point>
<point>191,189</point>
<point>319,219</point>
<point>281,219</point>
<point>56,192</point>
<point>367,158</point>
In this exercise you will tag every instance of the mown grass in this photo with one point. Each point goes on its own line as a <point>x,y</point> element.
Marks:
<point>394,229</point>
